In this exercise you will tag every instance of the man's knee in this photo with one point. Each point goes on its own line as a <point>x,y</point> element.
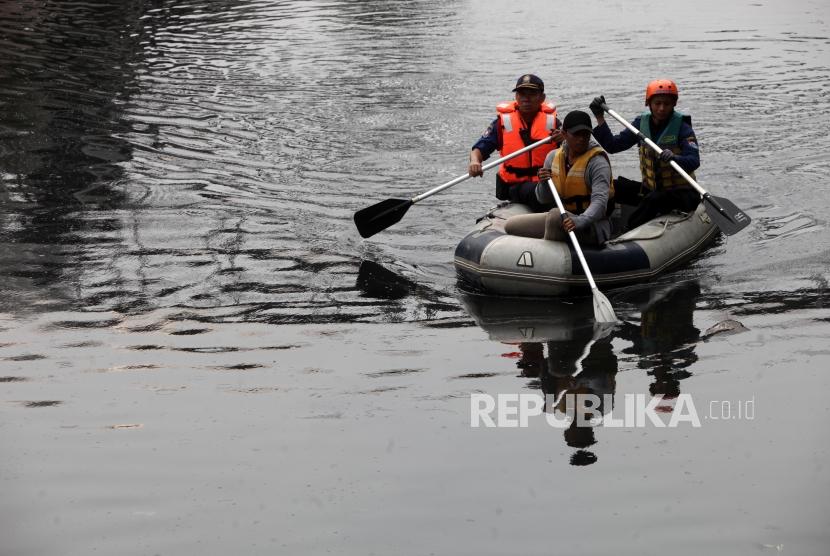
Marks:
<point>553,226</point>
<point>525,225</point>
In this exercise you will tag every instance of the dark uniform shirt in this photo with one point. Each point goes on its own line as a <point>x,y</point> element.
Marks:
<point>490,140</point>
<point>688,159</point>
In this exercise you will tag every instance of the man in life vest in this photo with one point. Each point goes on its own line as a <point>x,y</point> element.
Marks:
<point>662,189</point>
<point>581,172</point>
<point>519,123</point>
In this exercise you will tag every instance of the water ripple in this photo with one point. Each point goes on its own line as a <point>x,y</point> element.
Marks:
<point>209,157</point>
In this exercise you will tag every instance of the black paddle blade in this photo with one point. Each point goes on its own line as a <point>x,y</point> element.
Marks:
<point>380,216</point>
<point>726,216</point>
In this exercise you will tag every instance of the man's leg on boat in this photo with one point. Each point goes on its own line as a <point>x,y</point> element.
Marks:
<point>547,225</point>
<point>526,225</point>
<point>684,199</point>
<point>628,192</point>
<point>525,193</point>
<point>627,195</point>
<point>555,232</point>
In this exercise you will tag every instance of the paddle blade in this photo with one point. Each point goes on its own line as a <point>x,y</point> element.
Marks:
<point>603,312</point>
<point>380,216</point>
<point>726,216</point>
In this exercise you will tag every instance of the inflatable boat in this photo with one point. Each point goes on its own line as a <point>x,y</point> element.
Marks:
<point>491,261</point>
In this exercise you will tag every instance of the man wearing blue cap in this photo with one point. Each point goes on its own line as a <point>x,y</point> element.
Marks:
<point>519,123</point>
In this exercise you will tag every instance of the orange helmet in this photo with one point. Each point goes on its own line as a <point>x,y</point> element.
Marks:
<point>661,87</point>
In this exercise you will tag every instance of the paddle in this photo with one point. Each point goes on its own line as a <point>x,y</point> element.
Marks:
<point>603,312</point>
<point>729,218</point>
<point>380,216</point>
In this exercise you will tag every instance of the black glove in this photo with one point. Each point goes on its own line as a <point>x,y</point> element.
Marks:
<point>596,105</point>
<point>667,155</point>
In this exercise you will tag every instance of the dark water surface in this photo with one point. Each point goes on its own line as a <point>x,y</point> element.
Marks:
<point>199,354</point>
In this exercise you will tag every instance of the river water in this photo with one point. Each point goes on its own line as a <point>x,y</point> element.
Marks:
<point>200,355</point>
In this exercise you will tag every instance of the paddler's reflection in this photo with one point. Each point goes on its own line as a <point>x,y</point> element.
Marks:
<point>569,359</point>
<point>572,360</point>
<point>531,359</point>
<point>577,378</point>
<point>666,338</point>
<point>579,382</point>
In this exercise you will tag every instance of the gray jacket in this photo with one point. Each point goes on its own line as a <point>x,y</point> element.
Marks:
<point>597,176</point>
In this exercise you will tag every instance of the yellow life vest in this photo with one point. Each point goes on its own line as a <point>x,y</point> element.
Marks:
<point>656,173</point>
<point>571,185</point>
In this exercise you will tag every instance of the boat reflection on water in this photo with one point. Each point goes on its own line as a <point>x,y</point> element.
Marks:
<point>556,343</point>
<point>565,354</point>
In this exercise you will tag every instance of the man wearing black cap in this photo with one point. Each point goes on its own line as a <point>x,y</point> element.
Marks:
<point>581,172</point>
<point>519,123</point>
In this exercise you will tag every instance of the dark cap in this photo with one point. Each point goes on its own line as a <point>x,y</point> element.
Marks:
<point>576,120</point>
<point>529,81</point>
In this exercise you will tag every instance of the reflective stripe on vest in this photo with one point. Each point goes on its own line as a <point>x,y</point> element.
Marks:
<point>515,136</point>
<point>656,173</point>
<point>571,185</point>
<point>506,123</point>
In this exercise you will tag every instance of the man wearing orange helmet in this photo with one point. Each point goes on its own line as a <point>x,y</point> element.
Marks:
<point>662,189</point>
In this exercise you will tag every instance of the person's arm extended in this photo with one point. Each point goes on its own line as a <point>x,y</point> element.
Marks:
<point>615,143</point>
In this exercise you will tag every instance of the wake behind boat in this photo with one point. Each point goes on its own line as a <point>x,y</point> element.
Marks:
<point>489,260</point>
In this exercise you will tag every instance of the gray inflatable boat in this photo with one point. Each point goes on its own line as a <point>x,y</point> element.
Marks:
<point>491,261</point>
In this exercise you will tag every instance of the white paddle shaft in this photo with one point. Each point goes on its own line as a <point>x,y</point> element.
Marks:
<point>657,148</point>
<point>572,235</point>
<point>487,166</point>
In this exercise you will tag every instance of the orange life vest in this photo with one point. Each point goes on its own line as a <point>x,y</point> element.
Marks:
<point>514,136</point>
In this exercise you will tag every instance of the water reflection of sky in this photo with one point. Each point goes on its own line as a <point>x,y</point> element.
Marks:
<point>210,157</point>
<point>178,183</point>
